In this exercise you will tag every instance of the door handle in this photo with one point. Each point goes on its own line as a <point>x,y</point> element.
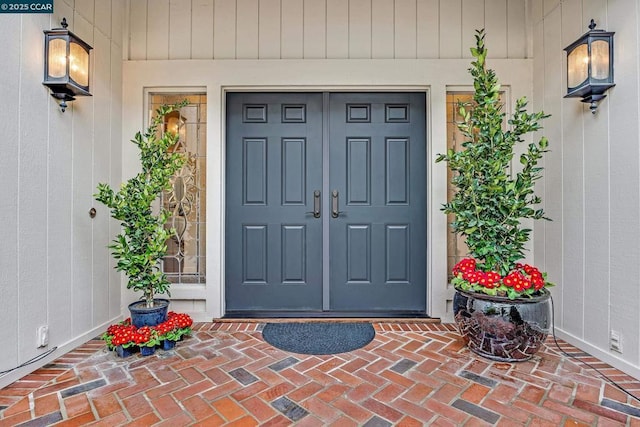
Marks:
<point>334,204</point>
<point>316,204</point>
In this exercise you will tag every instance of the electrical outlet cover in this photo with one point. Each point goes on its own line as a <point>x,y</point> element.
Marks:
<point>615,341</point>
<point>43,336</point>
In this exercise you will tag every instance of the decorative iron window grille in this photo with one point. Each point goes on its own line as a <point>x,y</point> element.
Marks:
<point>186,200</point>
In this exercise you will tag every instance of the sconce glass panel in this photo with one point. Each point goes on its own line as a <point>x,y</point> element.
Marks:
<point>577,66</point>
<point>79,64</point>
<point>600,57</point>
<point>57,66</point>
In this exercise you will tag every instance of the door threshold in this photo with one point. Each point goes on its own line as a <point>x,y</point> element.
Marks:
<point>328,316</point>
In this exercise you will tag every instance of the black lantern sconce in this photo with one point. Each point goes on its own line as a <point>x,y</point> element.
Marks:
<point>590,66</point>
<point>66,64</point>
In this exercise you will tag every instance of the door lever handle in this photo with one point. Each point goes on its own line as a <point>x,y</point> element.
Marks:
<point>335,212</point>
<point>316,204</point>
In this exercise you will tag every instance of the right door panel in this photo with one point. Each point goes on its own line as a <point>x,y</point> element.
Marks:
<point>377,158</point>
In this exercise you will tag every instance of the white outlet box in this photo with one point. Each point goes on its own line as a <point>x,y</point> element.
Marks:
<point>615,341</point>
<point>43,336</point>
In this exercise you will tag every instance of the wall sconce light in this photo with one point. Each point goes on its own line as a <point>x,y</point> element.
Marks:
<point>174,123</point>
<point>66,64</point>
<point>590,66</point>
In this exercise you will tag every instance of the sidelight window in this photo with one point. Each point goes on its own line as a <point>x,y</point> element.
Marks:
<point>186,200</point>
<point>456,247</point>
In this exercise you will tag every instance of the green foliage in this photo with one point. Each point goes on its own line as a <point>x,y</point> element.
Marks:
<point>141,245</point>
<point>490,202</point>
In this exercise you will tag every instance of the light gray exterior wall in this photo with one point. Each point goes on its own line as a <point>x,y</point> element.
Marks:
<point>54,265</point>
<point>591,189</point>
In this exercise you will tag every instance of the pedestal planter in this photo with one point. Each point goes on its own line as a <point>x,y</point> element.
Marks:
<point>143,316</point>
<point>502,329</point>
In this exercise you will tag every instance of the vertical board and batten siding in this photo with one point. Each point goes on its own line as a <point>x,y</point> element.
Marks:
<point>337,29</point>
<point>55,268</point>
<point>9,169</point>
<point>323,29</point>
<point>592,190</point>
<point>573,177</point>
<point>315,31</point>
<point>623,134</point>
<point>31,180</point>
<point>201,29</point>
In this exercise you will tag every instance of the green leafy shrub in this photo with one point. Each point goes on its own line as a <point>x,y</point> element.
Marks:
<point>490,201</point>
<point>140,246</point>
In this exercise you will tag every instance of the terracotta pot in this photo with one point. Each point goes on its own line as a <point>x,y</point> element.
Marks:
<point>502,329</point>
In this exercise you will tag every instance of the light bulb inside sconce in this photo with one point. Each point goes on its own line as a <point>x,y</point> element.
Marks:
<point>175,124</point>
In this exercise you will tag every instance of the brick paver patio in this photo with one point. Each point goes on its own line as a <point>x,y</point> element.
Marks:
<point>411,374</point>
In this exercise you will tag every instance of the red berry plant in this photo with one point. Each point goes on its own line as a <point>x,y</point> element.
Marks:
<point>175,327</point>
<point>127,335</point>
<point>491,199</point>
<point>522,280</point>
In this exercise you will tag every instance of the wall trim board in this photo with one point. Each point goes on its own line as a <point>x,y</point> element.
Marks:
<point>605,356</point>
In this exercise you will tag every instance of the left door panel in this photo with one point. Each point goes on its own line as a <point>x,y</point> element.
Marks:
<point>274,169</point>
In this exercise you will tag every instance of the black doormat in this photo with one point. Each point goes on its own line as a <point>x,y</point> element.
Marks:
<point>318,337</point>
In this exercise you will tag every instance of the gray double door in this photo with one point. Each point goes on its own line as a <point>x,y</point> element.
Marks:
<point>325,202</point>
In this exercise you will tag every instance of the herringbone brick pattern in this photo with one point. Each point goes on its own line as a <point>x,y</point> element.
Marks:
<point>411,374</point>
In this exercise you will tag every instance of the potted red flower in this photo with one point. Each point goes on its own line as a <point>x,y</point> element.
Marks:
<point>173,329</point>
<point>125,338</point>
<point>147,339</point>
<point>523,280</point>
<point>501,305</point>
<point>121,338</point>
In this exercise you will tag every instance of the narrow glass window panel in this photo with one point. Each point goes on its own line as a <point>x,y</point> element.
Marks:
<point>186,200</point>
<point>57,66</point>
<point>79,64</point>
<point>600,56</point>
<point>456,246</point>
<point>577,66</point>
